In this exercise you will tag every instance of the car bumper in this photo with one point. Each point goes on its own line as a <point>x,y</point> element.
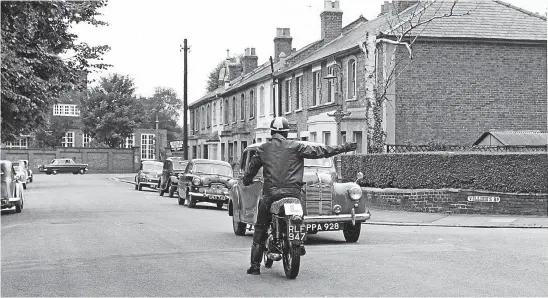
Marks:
<point>153,184</point>
<point>360,217</point>
<point>9,203</point>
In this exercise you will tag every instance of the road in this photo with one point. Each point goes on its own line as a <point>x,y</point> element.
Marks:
<point>86,235</point>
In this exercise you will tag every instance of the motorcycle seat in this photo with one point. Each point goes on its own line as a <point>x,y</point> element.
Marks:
<point>277,207</point>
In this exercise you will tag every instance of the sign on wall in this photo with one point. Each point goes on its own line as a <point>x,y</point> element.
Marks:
<point>483,199</point>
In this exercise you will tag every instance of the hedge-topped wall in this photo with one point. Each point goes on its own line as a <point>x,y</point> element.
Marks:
<point>502,172</point>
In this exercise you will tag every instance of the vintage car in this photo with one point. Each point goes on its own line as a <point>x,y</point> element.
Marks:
<point>149,174</point>
<point>21,172</point>
<point>173,167</point>
<point>205,180</point>
<point>327,204</point>
<point>12,188</point>
<point>64,165</point>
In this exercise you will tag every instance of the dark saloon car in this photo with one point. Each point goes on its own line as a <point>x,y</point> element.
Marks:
<point>64,165</point>
<point>149,174</point>
<point>11,188</point>
<point>205,180</point>
<point>327,204</point>
<point>173,167</point>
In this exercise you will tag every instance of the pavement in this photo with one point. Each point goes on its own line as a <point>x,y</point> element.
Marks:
<point>406,218</point>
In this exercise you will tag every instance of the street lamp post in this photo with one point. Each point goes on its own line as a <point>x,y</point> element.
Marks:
<point>339,113</point>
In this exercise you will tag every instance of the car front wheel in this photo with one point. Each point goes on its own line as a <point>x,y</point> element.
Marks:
<point>238,227</point>
<point>352,232</point>
<point>139,187</point>
<point>191,201</point>
<point>172,190</point>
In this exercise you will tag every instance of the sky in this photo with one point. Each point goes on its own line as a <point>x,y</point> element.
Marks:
<point>146,35</point>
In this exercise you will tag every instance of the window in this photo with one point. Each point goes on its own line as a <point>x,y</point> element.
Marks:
<point>214,112</point>
<point>313,137</point>
<point>327,138</point>
<point>86,139</point>
<point>226,111</point>
<point>68,139</point>
<point>147,146</point>
<point>288,96</point>
<point>251,104</point>
<point>261,101</point>
<point>358,139</point>
<point>242,107</point>
<point>299,93</point>
<point>343,137</point>
<point>129,141</point>
<point>331,85</point>
<point>220,113</point>
<point>273,101</point>
<point>66,110</point>
<point>351,79</point>
<point>234,109</point>
<point>191,121</point>
<point>316,86</point>
<point>22,142</point>
<point>208,115</point>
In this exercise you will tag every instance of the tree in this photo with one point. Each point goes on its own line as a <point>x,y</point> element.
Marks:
<point>400,30</point>
<point>213,77</point>
<point>111,111</point>
<point>167,106</point>
<point>35,36</point>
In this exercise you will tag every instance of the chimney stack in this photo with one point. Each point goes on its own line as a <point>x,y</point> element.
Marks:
<point>250,60</point>
<point>234,68</point>
<point>282,43</point>
<point>331,18</point>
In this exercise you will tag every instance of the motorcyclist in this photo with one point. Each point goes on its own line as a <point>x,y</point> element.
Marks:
<point>283,168</point>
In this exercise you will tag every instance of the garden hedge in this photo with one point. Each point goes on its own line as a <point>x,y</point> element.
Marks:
<point>502,172</point>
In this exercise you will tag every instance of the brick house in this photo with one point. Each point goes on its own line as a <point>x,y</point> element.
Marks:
<point>466,77</point>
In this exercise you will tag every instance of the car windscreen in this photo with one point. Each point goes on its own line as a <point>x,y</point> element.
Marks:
<point>179,166</point>
<point>213,168</point>
<point>153,167</point>
<point>322,162</point>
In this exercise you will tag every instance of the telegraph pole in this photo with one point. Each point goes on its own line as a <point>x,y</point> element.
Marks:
<point>185,103</point>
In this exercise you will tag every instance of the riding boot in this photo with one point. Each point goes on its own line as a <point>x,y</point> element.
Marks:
<point>256,258</point>
<point>257,249</point>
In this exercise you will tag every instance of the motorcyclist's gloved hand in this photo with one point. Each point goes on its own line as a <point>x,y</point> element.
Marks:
<point>247,181</point>
<point>351,147</point>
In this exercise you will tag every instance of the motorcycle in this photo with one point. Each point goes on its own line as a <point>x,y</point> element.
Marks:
<point>286,235</point>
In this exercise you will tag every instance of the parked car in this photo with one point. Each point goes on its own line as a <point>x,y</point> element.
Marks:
<point>11,187</point>
<point>327,204</point>
<point>64,165</point>
<point>173,167</point>
<point>149,174</point>
<point>205,180</point>
<point>21,172</point>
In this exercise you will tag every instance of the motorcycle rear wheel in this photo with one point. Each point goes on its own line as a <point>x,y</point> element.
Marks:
<point>291,259</point>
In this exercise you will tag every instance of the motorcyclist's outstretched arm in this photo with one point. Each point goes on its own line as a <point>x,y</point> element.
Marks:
<point>323,151</point>
<point>254,166</point>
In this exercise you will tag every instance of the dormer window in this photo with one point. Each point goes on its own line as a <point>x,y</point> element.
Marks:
<point>66,110</point>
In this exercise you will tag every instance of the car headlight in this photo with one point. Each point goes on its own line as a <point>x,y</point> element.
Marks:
<point>355,193</point>
<point>196,181</point>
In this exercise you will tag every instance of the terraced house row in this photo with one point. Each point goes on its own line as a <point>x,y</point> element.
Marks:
<point>482,69</point>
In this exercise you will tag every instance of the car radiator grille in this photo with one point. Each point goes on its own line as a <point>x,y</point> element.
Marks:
<point>318,200</point>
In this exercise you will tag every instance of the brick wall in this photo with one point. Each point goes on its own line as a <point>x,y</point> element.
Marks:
<point>99,160</point>
<point>453,92</point>
<point>455,201</point>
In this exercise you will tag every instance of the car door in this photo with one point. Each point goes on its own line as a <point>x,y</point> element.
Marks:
<point>184,181</point>
<point>249,195</point>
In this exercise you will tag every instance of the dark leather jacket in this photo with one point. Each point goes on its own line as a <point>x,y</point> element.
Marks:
<point>283,165</point>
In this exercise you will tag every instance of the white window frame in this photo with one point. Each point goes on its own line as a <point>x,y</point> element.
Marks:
<point>21,143</point>
<point>317,83</point>
<point>299,93</point>
<point>251,104</point>
<point>70,110</point>
<point>214,112</point>
<point>325,139</point>
<point>352,72</point>
<point>331,85</point>
<point>86,139</point>
<point>148,146</point>
<point>288,103</point>
<point>129,141</point>
<point>261,101</point>
<point>68,139</point>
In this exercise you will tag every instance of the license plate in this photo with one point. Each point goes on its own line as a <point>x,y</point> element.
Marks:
<point>217,198</point>
<point>327,226</point>
<point>296,233</point>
